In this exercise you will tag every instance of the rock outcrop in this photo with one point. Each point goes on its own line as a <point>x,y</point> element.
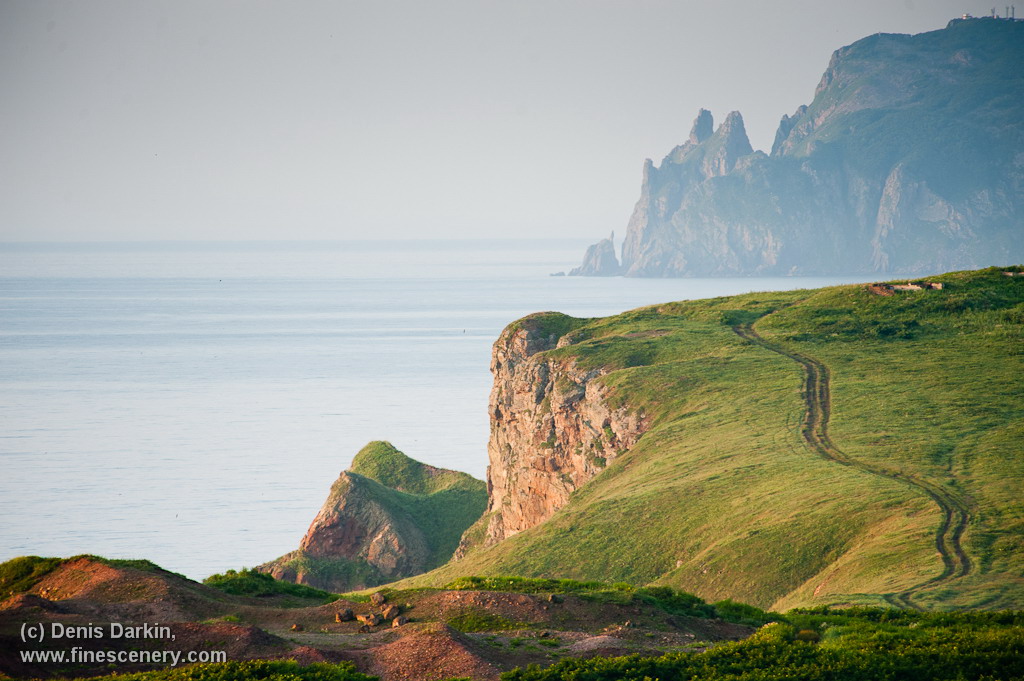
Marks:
<point>386,518</point>
<point>552,429</point>
<point>599,260</point>
<point>910,159</point>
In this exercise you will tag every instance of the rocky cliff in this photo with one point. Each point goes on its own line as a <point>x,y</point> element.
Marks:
<point>552,428</point>
<point>387,517</point>
<point>909,159</point>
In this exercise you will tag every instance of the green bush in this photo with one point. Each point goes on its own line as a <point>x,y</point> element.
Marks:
<point>254,583</point>
<point>741,613</point>
<point>675,602</point>
<point>470,620</point>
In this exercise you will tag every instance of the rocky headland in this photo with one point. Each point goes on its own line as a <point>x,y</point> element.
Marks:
<point>599,260</point>
<point>909,159</point>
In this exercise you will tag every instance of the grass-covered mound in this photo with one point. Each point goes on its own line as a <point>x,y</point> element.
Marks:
<point>442,503</point>
<point>418,512</point>
<point>724,497</point>
<point>823,645</point>
<point>20,574</point>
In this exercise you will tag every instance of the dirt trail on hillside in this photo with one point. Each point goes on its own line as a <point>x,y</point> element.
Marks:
<point>955,513</point>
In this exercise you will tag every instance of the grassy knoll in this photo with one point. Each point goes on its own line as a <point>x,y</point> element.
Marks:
<point>440,503</point>
<point>722,497</point>
<point>428,507</point>
<point>382,462</point>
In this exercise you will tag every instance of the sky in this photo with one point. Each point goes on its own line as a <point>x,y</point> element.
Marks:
<point>386,119</point>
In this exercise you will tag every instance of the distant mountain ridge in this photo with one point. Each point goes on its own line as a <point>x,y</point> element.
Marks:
<point>910,159</point>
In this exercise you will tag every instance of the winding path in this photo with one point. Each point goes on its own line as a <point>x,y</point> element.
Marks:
<point>955,514</point>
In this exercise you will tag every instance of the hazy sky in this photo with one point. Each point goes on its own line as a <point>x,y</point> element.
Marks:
<point>386,119</point>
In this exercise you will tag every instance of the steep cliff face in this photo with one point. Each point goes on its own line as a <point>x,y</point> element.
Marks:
<point>552,429</point>
<point>909,159</point>
<point>386,518</point>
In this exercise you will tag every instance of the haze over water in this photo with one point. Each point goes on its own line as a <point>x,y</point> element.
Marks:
<point>191,403</point>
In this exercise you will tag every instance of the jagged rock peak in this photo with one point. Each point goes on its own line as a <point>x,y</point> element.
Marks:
<point>726,146</point>
<point>735,133</point>
<point>703,127</point>
<point>786,126</point>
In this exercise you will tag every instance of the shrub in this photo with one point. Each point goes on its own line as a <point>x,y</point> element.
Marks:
<point>471,620</point>
<point>255,583</point>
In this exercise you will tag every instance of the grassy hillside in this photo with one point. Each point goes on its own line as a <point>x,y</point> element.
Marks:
<point>724,496</point>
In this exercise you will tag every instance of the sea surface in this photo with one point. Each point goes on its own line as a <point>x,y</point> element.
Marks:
<point>191,403</point>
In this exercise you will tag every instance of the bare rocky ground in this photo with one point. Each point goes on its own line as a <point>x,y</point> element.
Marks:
<point>476,634</point>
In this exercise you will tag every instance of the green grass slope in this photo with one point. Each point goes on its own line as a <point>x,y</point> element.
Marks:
<point>382,462</point>
<point>725,498</point>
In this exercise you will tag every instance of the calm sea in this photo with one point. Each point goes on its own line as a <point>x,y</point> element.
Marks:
<point>192,403</point>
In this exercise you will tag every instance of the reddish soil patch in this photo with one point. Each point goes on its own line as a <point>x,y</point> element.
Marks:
<point>428,652</point>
